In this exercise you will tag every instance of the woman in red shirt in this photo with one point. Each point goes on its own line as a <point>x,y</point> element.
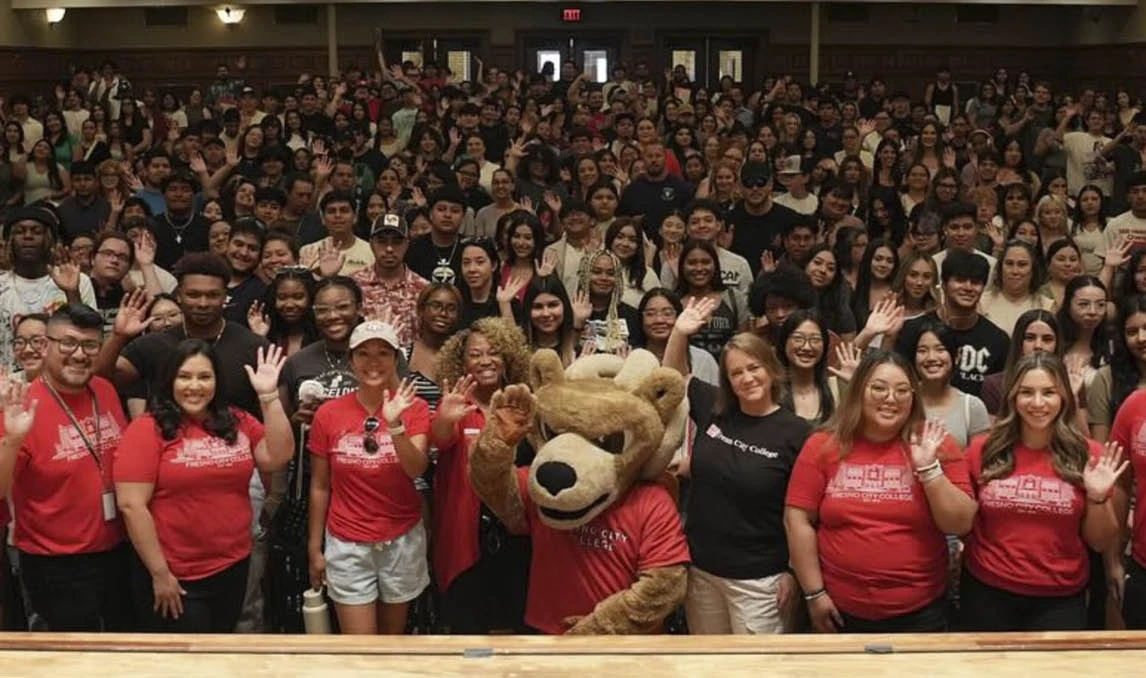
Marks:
<point>367,447</point>
<point>481,571</point>
<point>1043,493</point>
<point>182,475</point>
<point>871,497</point>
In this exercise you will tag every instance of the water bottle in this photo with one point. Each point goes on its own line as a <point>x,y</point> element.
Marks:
<point>315,617</point>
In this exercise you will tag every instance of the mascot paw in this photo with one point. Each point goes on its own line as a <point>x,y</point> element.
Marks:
<point>511,413</point>
<point>578,626</point>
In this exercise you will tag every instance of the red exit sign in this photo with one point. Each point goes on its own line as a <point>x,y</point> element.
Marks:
<point>571,14</point>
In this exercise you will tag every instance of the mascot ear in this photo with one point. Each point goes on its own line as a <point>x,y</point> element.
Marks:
<point>663,388</point>
<point>545,368</point>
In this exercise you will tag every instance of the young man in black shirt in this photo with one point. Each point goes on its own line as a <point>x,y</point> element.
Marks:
<point>112,257</point>
<point>244,287</point>
<point>179,229</point>
<point>757,221</point>
<point>982,345</point>
<point>655,193</point>
<point>202,292</point>
<point>437,256</point>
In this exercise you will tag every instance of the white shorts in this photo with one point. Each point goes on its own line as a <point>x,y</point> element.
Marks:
<point>394,571</point>
<point>719,605</point>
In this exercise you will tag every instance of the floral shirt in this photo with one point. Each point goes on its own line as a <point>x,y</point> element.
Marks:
<point>401,297</point>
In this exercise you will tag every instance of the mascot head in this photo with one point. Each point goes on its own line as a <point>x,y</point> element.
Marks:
<point>601,425</point>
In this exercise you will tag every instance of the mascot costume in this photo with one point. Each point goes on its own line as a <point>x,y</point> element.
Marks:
<point>609,552</point>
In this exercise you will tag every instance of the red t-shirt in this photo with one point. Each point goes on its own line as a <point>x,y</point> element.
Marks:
<point>1128,431</point>
<point>573,570</point>
<point>881,554</point>
<point>371,497</point>
<point>456,508</point>
<point>57,487</point>
<point>201,502</point>
<point>1027,537</point>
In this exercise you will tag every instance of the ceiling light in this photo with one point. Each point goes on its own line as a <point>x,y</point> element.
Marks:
<point>230,15</point>
<point>55,14</point>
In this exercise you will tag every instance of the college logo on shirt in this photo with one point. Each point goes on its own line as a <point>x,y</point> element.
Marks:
<point>70,446</point>
<point>1030,494</point>
<point>351,450</point>
<point>871,483</point>
<point>212,452</point>
<point>715,432</point>
<point>599,538</point>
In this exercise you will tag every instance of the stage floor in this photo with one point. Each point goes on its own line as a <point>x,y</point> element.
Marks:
<point>1044,655</point>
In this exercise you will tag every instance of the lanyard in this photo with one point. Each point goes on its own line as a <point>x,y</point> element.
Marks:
<point>96,450</point>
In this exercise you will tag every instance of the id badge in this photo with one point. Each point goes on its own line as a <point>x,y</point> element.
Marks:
<point>109,509</point>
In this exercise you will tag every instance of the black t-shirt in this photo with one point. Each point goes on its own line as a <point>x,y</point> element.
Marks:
<point>317,124</point>
<point>982,350</point>
<point>241,297</point>
<point>472,310</point>
<point>754,234</point>
<point>176,236</point>
<point>435,263</point>
<point>654,200</point>
<point>330,370</point>
<point>235,348</point>
<point>108,303</point>
<point>740,469</point>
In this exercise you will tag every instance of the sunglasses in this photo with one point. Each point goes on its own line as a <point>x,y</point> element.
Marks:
<point>369,429</point>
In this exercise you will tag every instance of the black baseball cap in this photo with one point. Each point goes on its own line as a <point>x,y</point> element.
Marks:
<point>389,223</point>
<point>755,173</point>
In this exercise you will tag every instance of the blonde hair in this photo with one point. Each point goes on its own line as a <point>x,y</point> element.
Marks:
<point>1069,450</point>
<point>897,285</point>
<point>613,341</point>
<point>846,423</point>
<point>983,195</point>
<point>758,349</point>
<point>1050,200</point>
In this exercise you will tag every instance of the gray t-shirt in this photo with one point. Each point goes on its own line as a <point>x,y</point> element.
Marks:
<point>966,418</point>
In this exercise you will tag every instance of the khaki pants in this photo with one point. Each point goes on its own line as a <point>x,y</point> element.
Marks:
<point>715,605</point>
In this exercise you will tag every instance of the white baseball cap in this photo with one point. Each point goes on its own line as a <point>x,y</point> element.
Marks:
<point>790,165</point>
<point>374,329</point>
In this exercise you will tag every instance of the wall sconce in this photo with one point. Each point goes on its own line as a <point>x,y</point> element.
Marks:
<point>55,15</point>
<point>230,15</point>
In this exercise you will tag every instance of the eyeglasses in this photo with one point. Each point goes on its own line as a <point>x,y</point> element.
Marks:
<point>881,391</point>
<point>813,340</point>
<point>118,256</point>
<point>439,307</point>
<point>68,345</point>
<point>369,428</point>
<point>37,342</point>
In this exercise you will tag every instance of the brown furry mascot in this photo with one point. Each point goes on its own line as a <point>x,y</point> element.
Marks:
<point>609,553</point>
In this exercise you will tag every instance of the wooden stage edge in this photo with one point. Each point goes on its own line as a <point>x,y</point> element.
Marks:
<point>416,646</point>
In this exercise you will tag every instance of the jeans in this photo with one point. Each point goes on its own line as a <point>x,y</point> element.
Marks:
<point>987,608</point>
<point>931,618</point>
<point>81,592</point>
<point>211,605</point>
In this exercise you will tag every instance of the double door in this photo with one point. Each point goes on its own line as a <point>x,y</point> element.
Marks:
<point>593,54</point>
<point>707,59</point>
<point>456,51</point>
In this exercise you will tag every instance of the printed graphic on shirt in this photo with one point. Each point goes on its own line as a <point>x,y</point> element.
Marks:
<point>599,538</point>
<point>871,483</point>
<point>715,432</point>
<point>730,278</point>
<point>973,362</point>
<point>351,449</point>
<point>329,385</point>
<point>212,452</point>
<point>70,445</point>
<point>1029,494</point>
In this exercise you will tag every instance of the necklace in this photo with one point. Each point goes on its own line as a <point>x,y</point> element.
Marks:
<point>180,228</point>
<point>443,272</point>
<point>218,336</point>
<point>334,365</point>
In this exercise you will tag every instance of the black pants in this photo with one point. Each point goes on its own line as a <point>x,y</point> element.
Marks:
<point>1096,593</point>
<point>931,618</point>
<point>491,594</point>
<point>212,604</point>
<point>1134,597</point>
<point>82,592</point>
<point>986,608</point>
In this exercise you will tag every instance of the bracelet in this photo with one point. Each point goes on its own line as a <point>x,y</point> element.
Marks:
<point>930,474</point>
<point>809,597</point>
<point>927,469</point>
<point>1098,503</point>
<point>268,397</point>
<point>398,430</point>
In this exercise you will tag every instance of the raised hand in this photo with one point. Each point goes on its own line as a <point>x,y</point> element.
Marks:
<point>318,147</point>
<point>848,357</point>
<point>527,205</point>
<point>1117,257</point>
<point>511,413</point>
<point>265,375</point>
<point>512,287</point>
<point>132,317</point>
<point>418,197</point>
<point>66,275</point>
<point>548,263</point>
<point>582,308</point>
<point>233,157</point>
<point>323,168</point>
<point>257,320</point>
<point>394,404</point>
<point>553,201</point>
<point>455,136</point>
<point>144,249</point>
<point>887,316</point>
<point>1076,371</point>
<point>925,445</point>
<point>1099,478</point>
<point>949,157</point>
<point>116,201</point>
<point>19,412</point>
<point>767,262</point>
<point>330,259</point>
<point>197,164</point>
<point>695,315</point>
<point>457,401</point>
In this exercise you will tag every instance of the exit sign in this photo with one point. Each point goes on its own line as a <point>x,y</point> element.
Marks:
<point>571,14</point>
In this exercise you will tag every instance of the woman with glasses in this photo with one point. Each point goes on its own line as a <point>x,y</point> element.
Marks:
<point>28,345</point>
<point>366,449</point>
<point>1043,491</point>
<point>436,316</point>
<point>658,311</point>
<point>739,581</point>
<point>192,457</point>
<point>803,349</point>
<point>480,569</point>
<point>871,498</point>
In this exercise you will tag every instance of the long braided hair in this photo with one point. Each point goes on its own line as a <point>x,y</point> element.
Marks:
<point>613,339</point>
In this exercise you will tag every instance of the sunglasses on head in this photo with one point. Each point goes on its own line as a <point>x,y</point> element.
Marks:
<point>369,429</point>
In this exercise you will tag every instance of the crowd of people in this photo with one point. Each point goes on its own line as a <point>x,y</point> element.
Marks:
<point>251,338</point>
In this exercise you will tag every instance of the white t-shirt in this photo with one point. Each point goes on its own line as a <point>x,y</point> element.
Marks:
<point>734,271</point>
<point>358,255</point>
<point>1125,224</point>
<point>1085,165</point>
<point>806,205</point>
<point>75,120</point>
<point>23,296</point>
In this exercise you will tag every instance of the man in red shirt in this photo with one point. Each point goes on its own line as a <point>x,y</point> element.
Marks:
<point>72,550</point>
